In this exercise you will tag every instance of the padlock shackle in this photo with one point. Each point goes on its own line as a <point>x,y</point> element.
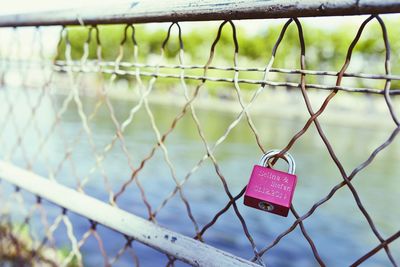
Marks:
<point>286,156</point>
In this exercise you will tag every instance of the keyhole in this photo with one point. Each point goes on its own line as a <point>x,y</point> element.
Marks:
<point>266,206</point>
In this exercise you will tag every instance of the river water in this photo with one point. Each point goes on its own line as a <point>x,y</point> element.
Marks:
<point>338,228</point>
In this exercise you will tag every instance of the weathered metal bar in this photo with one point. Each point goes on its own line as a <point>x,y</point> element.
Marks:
<point>182,247</point>
<point>144,11</point>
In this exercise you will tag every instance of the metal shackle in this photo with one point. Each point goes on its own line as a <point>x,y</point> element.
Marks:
<point>286,156</point>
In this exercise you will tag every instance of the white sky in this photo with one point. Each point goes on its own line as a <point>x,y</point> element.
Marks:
<point>24,6</point>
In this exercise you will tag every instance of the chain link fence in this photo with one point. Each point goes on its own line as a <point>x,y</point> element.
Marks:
<point>41,97</point>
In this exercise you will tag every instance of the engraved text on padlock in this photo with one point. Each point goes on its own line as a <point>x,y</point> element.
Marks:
<point>269,189</point>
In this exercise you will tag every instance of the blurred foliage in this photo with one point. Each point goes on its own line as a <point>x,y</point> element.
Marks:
<point>325,49</point>
<point>16,249</point>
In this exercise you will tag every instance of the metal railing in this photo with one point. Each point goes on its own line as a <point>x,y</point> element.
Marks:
<point>28,131</point>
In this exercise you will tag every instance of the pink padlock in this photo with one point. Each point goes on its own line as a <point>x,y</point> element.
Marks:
<point>269,189</point>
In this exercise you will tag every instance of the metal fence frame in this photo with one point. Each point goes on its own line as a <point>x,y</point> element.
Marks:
<point>146,11</point>
<point>186,249</point>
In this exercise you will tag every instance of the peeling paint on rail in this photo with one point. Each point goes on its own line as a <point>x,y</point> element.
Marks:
<point>182,247</point>
<point>145,11</point>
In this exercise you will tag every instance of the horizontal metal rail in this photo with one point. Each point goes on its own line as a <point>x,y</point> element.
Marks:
<point>215,79</point>
<point>126,64</point>
<point>144,11</point>
<point>110,67</point>
<point>182,247</point>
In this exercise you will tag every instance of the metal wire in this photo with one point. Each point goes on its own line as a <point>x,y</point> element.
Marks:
<point>98,67</point>
<point>77,69</point>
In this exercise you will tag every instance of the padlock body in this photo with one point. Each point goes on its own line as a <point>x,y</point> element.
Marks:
<point>270,190</point>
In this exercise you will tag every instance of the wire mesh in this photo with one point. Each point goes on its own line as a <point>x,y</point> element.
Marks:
<point>36,108</point>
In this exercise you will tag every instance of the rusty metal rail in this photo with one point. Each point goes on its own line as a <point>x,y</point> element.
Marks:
<point>145,11</point>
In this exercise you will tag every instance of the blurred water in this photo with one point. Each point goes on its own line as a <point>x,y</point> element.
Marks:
<point>338,228</point>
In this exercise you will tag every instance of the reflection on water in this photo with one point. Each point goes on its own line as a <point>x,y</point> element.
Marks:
<point>338,228</point>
